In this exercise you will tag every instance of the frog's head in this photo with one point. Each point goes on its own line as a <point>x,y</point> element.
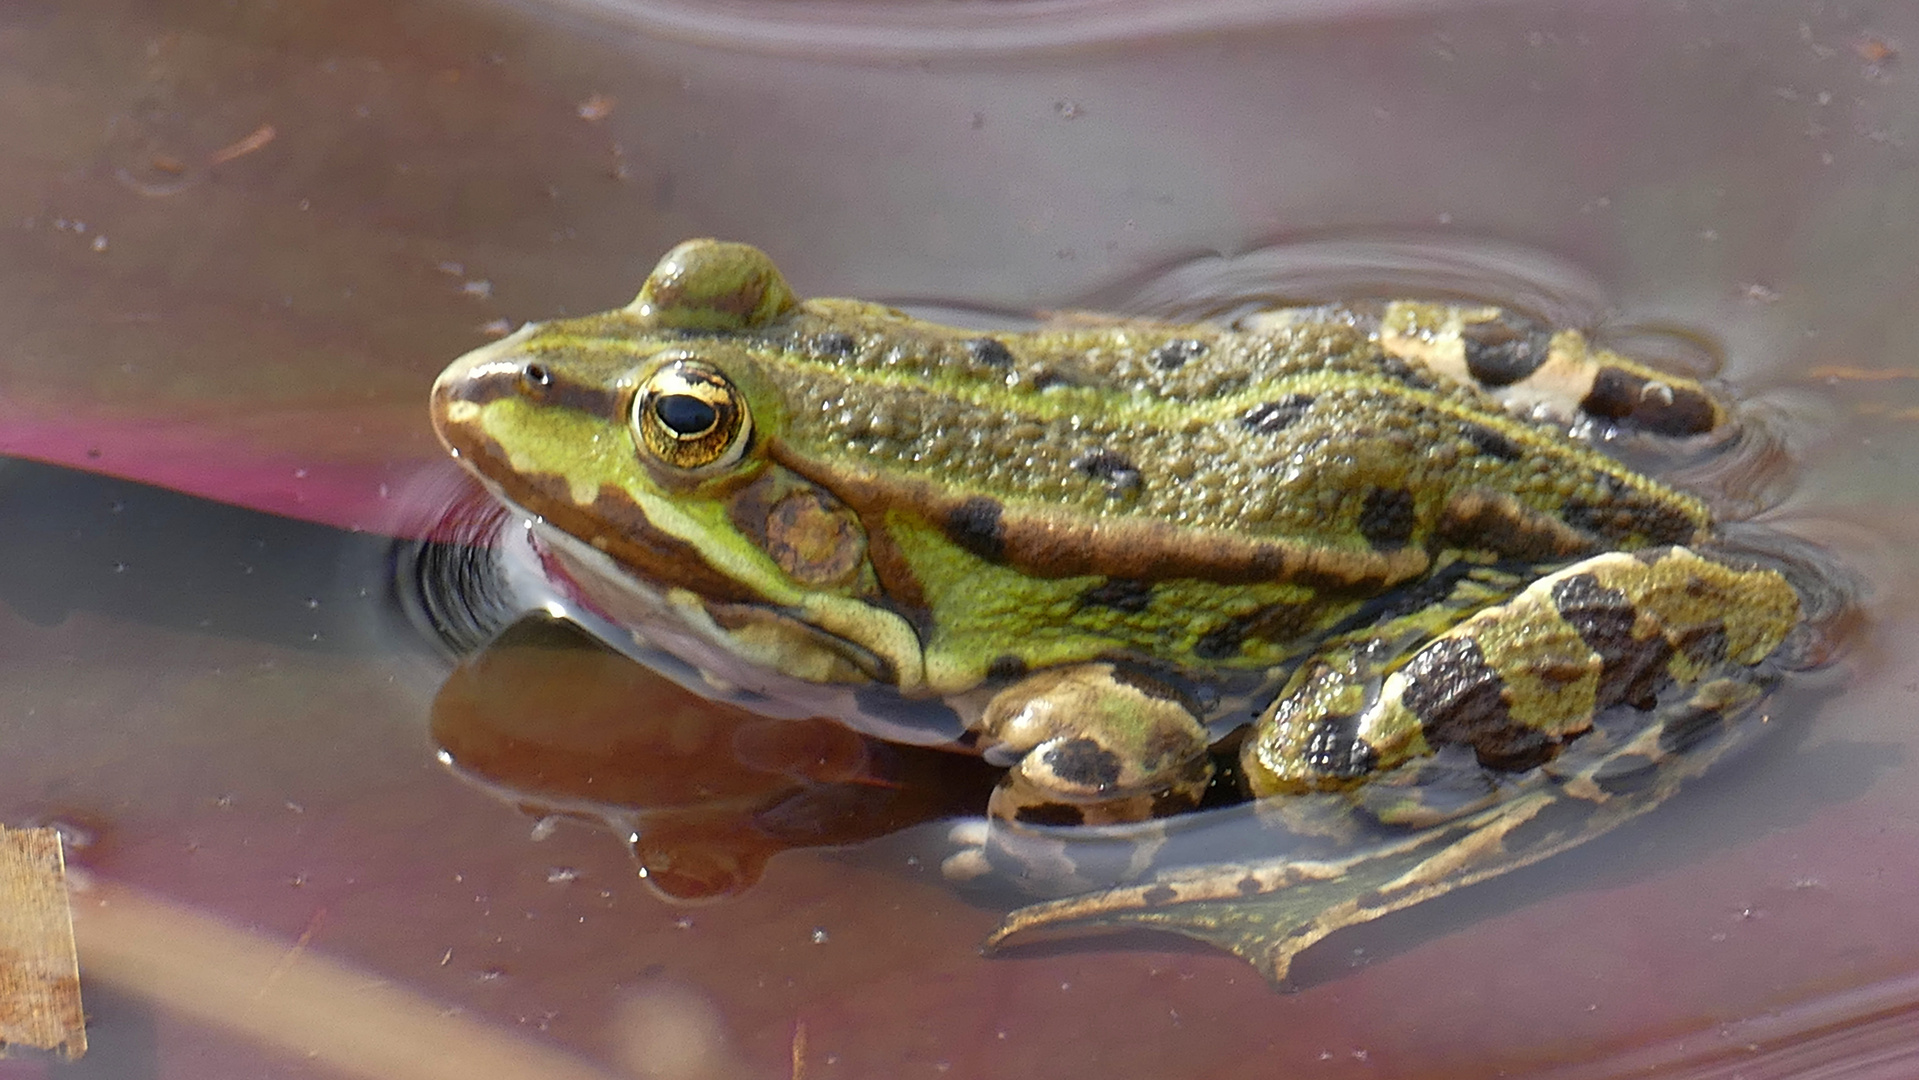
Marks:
<point>640,438</point>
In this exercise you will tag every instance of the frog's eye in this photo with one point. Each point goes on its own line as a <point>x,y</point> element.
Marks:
<point>689,415</point>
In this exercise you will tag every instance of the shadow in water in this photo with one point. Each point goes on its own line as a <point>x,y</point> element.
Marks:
<point>76,541</point>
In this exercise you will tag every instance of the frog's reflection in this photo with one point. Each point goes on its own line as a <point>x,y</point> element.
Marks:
<point>560,724</point>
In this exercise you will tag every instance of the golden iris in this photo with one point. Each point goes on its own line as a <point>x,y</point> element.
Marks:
<point>689,415</point>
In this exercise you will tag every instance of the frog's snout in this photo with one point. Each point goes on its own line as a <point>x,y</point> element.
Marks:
<point>489,373</point>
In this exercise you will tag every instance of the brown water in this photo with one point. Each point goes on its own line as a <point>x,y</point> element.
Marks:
<point>241,238</point>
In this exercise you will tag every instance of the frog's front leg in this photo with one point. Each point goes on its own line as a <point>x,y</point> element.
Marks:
<point>1093,744</point>
<point>1518,680</point>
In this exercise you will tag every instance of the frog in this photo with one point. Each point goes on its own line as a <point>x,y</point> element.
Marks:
<point>1320,561</point>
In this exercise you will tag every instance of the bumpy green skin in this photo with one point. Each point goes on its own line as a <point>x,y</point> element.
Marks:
<point>1013,521</point>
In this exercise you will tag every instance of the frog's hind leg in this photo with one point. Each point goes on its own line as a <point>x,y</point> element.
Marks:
<point>1619,677</point>
<point>1530,368</point>
<point>1269,910</point>
<point>1518,681</point>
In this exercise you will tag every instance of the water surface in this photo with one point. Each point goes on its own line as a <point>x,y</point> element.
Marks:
<point>243,238</point>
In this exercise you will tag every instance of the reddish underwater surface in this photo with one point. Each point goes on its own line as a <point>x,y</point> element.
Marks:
<point>242,240</point>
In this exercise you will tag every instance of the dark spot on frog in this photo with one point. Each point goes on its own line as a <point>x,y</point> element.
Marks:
<point>1705,645</point>
<point>1694,725</point>
<point>1174,355</point>
<point>976,527</point>
<point>1006,666</point>
<point>1387,517</point>
<point>1051,377</point>
<point>1050,814</point>
<point>1335,749</point>
<point>899,587</point>
<point>1159,894</point>
<point>1222,641</point>
<point>1406,374</point>
<point>1491,443</point>
<point>1505,349</point>
<point>1147,686</point>
<point>1227,787</point>
<point>1120,474</point>
<point>1083,763</point>
<point>1272,417</point>
<point>1284,621</point>
<point>1274,622</point>
<point>1120,594</point>
<point>834,344</point>
<point>1460,701</point>
<point>990,351</point>
<point>1249,886</point>
<point>1620,515</point>
<point>1661,409</point>
<point>1630,668</point>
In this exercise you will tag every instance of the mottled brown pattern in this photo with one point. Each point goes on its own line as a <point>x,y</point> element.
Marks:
<point>1458,698</point>
<point>1334,750</point>
<point>1631,667</point>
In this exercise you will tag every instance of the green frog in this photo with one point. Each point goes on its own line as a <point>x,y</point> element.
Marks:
<point>1323,562</point>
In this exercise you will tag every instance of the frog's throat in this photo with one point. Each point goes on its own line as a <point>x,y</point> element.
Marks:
<point>881,643</point>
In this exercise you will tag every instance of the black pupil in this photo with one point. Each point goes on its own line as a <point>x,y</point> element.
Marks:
<point>685,414</point>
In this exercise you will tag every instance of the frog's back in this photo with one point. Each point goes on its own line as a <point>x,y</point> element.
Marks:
<point>1303,452</point>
